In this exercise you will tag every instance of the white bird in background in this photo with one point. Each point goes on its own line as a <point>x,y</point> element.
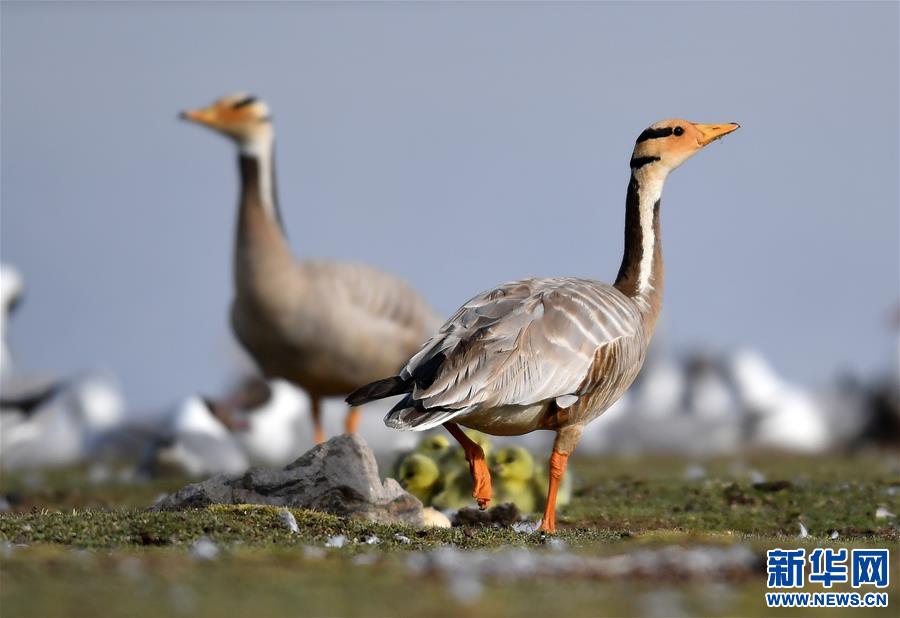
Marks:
<point>11,289</point>
<point>672,403</point>
<point>67,424</point>
<point>709,394</point>
<point>275,422</point>
<point>257,423</point>
<point>279,429</point>
<point>660,388</point>
<point>735,401</point>
<point>194,442</point>
<point>786,416</point>
<point>50,423</point>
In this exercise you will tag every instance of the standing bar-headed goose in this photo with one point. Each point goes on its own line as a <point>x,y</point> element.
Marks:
<point>549,353</point>
<point>328,327</point>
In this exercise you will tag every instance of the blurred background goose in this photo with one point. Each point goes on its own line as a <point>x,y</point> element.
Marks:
<point>326,326</point>
<point>549,353</point>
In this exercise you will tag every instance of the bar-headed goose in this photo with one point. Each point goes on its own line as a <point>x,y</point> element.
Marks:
<point>326,326</point>
<point>549,353</point>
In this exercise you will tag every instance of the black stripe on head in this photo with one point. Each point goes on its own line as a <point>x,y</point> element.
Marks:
<point>250,100</point>
<point>654,134</point>
<point>639,162</point>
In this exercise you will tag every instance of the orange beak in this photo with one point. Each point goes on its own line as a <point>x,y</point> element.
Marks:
<point>204,115</point>
<point>711,132</point>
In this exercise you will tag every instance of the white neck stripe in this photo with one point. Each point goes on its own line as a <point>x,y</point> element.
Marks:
<point>649,192</point>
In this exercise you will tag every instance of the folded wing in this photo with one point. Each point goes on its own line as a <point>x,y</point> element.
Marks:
<point>519,344</point>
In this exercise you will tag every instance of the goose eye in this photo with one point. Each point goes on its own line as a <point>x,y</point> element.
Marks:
<point>678,131</point>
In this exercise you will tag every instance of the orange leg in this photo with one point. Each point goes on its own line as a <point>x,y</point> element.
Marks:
<point>351,423</point>
<point>481,476</point>
<point>558,463</point>
<point>316,410</point>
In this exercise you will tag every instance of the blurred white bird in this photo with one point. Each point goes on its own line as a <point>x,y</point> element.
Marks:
<point>709,393</point>
<point>786,416</point>
<point>64,424</point>
<point>671,404</point>
<point>11,289</point>
<point>660,388</point>
<point>275,422</point>
<point>194,442</point>
<point>732,401</point>
<point>277,430</point>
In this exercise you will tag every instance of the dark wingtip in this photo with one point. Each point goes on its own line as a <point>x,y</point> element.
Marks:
<point>30,402</point>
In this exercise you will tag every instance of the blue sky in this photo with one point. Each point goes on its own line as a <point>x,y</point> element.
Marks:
<point>459,146</point>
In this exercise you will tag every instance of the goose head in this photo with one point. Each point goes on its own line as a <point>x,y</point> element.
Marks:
<point>668,143</point>
<point>239,116</point>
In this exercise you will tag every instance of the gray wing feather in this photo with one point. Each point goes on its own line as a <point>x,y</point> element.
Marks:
<point>375,295</point>
<point>523,343</point>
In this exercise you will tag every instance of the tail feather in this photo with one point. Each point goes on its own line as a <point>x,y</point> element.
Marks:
<point>379,389</point>
<point>410,416</point>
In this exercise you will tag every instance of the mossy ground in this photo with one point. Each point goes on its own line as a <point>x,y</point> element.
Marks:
<point>90,549</point>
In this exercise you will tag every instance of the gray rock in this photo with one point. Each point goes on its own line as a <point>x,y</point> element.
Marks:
<point>338,477</point>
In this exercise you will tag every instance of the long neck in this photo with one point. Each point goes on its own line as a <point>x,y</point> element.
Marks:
<point>261,248</point>
<point>256,162</point>
<point>641,273</point>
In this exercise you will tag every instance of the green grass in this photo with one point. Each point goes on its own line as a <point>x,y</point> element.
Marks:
<point>73,548</point>
<point>251,526</point>
<point>826,495</point>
